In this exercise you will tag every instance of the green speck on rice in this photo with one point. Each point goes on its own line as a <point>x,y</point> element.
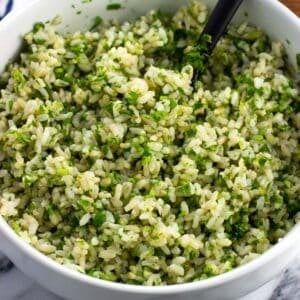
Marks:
<point>114,166</point>
<point>113,6</point>
<point>298,60</point>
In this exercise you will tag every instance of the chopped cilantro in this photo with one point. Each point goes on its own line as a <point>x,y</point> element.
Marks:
<point>97,21</point>
<point>192,202</point>
<point>298,59</point>
<point>284,127</point>
<point>99,218</point>
<point>197,105</point>
<point>59,72</point>
<point>243,78</point>
<point>18,76</point>
<point>113,6</point>
<point>23,137</point>
<point>50,210</point>
<point>184,190</point>
<point>197,56</point>
<point>83,204</point>
<point>159,115</point>
<point>201,163</point>
<point>257,138</point>
<point>38,26</point>
<point>191,131</point>
<point>173,103</point>
<point>132,98</point>
<point>78,48</point>
<point>10,104</point>
<point>62,172</point>
<point>28,180</point>
<point>39,41</point>
<point>237,229</point>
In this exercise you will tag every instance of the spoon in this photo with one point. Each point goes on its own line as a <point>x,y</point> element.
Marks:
<point>215,28</point>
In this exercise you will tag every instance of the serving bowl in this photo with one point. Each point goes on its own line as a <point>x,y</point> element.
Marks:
<point>256,279</point>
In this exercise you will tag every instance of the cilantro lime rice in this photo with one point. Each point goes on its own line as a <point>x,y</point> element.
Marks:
<point>113,165</point>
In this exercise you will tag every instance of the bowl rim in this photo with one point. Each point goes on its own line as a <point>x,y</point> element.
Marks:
<point>276,250</point>
<point>282,246</point>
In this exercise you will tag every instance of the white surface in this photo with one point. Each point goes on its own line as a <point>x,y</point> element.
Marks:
<point>279,23</point>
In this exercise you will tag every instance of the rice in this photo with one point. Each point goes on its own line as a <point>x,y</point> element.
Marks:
<point>113,165</point>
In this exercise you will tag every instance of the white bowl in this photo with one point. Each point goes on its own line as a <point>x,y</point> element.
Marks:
<point>259,275</point>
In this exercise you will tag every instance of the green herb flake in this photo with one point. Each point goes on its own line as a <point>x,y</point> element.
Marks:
<point>298,59</point>
<point>23,137</point>
<point>83,204</point>
<point>50,210</point>
<point>197,105</point>
<point>184,190</point>
<point>97,21</point>
<point>28,180</point>
<point>132,98</point>
<point>159,115</point>
<point>197,56</point>
<point>59,72</point>
<point>78,48</point>
<point>10,104</point>
<point>18,76</point>
<point>173,104</point>
<point>113,6</point>
<point>191,132</point>
<point>99,218</point>
<point>39,41</point>
<point>258,138</point>
<point>37,27</point>
<point>62,172</point>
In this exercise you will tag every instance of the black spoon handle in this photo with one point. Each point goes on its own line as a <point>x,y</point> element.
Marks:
<point>219,19</point>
